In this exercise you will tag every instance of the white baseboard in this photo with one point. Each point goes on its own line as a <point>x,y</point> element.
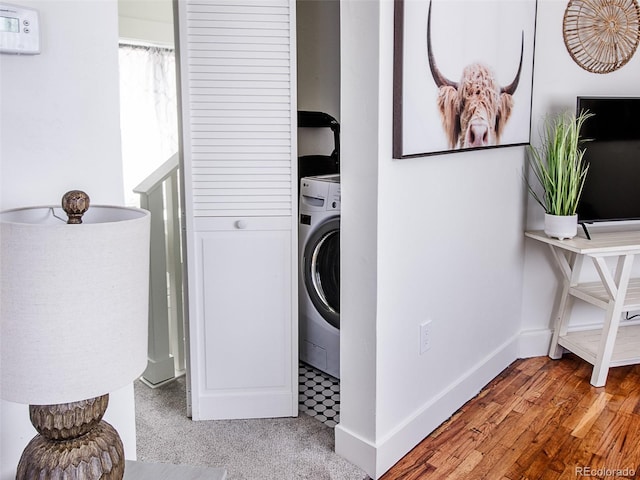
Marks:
<point>534,343</point>
<point>377,458</point>
<point>356,449</point>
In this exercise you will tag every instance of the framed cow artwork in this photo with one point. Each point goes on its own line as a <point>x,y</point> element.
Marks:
<point>463,75</point>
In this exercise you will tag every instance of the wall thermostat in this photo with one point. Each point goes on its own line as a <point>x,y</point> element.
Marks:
<point>19,30</point>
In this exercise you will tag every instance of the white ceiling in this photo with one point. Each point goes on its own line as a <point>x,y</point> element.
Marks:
<point>152,10</point>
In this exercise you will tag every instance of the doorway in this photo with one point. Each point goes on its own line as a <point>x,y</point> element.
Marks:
<point>147,25</point>
<point>149,131</point>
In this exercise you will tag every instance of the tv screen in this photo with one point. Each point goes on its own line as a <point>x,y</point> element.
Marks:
<point>612,188</point>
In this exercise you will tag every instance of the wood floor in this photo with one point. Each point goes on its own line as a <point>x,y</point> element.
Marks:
<point>540,419</point>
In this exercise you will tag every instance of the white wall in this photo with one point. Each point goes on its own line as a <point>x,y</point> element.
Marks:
<point>60,109</point>
<point>318,38</point>
<point>436,238</point>
<point>60,130</point>
<point>318,69</point>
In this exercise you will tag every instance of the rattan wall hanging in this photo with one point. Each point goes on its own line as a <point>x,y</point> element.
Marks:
<point>601,35</point>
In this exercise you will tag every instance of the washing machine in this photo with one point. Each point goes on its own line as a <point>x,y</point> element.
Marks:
<point>319,266</point>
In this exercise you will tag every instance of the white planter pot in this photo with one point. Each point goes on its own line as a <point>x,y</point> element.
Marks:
<point>560,226</point>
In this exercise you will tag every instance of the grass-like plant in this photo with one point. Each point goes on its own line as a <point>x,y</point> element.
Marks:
<point>558,163</point>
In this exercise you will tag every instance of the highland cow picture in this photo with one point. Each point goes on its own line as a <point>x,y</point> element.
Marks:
<point>463,73</point>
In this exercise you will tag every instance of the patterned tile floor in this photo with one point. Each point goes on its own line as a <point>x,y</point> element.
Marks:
<point>319,395</point>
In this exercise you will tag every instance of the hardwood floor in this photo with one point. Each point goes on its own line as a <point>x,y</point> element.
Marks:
<point>539,419</point>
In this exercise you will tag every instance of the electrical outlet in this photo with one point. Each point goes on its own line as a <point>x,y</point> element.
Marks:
<point>425,336</point>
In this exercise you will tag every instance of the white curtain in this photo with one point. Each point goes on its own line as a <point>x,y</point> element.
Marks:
<point>148,112</point>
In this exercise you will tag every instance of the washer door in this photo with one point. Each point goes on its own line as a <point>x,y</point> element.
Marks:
<point>321,270</point>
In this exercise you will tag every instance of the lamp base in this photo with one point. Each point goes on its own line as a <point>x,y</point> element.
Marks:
<point>74,444</point>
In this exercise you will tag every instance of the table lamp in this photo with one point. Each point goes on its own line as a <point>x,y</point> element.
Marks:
<point>73,327</point>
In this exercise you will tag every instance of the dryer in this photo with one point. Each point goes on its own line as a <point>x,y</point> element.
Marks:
<point>319,267</point>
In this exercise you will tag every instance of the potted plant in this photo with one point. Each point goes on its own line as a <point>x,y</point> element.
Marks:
<point>559,168</point>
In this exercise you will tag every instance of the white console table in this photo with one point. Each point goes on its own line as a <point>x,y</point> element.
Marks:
<point>616,293</point>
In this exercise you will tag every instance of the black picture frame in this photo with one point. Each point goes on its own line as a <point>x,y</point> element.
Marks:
<point>430,107</point>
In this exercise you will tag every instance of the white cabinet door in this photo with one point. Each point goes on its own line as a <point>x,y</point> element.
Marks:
<point>238,117</point>
<point>244,334</point>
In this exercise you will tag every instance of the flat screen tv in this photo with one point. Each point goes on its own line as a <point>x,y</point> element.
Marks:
<point>612,187</point>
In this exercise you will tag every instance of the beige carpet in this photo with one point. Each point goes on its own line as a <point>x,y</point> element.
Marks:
<point>263,449</point>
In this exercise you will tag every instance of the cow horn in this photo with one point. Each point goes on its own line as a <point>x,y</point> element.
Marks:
<point>511,88</point>
<point>440,79</point>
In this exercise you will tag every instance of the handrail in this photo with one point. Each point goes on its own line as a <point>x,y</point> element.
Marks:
<point>158,176</point>
<point>159,194</point>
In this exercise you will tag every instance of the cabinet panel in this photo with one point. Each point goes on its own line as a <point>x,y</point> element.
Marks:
<point>246,324</point>
<point>247,318</point>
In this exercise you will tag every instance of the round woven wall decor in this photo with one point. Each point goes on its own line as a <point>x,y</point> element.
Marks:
<point>601,35</point>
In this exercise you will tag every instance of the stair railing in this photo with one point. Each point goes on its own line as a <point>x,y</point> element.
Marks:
<point>159,193</point>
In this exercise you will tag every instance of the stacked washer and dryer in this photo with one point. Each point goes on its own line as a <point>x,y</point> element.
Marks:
<point>319,252</point>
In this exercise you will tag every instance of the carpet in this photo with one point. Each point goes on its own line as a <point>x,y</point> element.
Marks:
<point>260,449</point>
<point>163,471</point>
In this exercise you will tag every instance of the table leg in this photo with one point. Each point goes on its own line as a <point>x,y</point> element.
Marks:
<point>617,289</point>
<point>570,266</point>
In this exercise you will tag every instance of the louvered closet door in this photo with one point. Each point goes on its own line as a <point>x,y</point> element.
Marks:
<point>238,110</point>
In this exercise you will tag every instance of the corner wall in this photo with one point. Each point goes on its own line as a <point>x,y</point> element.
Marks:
<point>355,436</point>
<point>443,242</point>
<point>60,130</point>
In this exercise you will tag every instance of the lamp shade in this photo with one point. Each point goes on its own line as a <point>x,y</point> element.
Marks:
<point>73,304</point>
